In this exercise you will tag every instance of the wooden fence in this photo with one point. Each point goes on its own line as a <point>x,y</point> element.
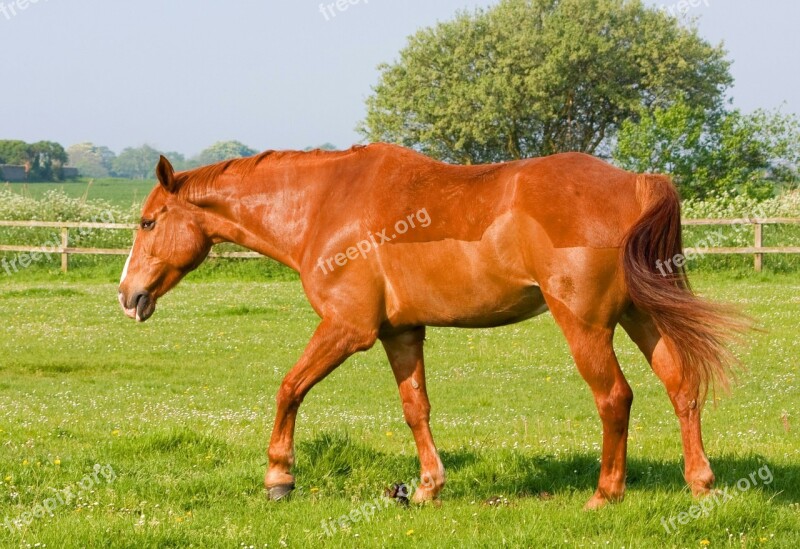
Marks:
<point>757,250</point>
<point>64,250</point>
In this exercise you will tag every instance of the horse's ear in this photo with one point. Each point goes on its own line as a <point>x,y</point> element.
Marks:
<point>166,175</point>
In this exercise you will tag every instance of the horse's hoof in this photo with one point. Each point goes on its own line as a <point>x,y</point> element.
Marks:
<point>280,491</point>
<point>702,487</point>
<point>595,502</point>
<point>601,499</point>
<point>422,497</point>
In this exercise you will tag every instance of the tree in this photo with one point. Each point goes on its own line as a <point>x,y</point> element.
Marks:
<point>46,158</point>
<point>534,77</point>
<point>13,151</point>
<point>711,150</point>
<point>43,160</point>
<point>91,160</point>
<point>136,163</point>
<point>222,150</point>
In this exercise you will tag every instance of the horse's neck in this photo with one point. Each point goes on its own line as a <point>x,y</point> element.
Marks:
<point>268,211</point>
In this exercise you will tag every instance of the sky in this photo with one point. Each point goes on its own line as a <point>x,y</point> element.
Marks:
<point>276,74</point>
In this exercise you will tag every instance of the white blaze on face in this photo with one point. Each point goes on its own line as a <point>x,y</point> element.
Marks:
<point>127,263</point>
<point>129,312</point>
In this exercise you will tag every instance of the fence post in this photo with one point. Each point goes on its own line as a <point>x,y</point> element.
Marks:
<point>64,244</point>
<point>758,258</point>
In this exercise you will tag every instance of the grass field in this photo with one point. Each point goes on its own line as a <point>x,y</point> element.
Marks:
<point>177,413</point>
<point>119,192</point>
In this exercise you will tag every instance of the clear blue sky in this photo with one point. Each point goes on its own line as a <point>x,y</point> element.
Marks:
<point>180,75</point>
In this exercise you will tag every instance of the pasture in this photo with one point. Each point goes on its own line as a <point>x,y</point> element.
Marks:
<point>119,192</point>
<point>180,409</point>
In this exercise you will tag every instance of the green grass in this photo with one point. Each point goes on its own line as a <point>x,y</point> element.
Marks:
<point>181,409</point>
<point>119,192</point>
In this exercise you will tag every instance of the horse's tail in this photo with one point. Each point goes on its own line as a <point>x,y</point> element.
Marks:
<point>697,332</point>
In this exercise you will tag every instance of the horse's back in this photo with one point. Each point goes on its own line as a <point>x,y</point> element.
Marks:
<point>578,199</point>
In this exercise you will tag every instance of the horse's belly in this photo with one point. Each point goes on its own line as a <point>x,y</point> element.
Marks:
<point>458,283</point>
<point>485,311</point>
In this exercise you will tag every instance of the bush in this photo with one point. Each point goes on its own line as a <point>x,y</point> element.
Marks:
<point>730,206</point>
<point>56,205</point>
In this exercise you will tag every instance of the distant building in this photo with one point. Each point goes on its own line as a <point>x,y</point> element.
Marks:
<point>69,173</point>
<point>13,174</point>
<point>17,174</point>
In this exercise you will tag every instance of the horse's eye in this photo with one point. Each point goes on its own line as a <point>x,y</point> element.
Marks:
<point>147,224</point>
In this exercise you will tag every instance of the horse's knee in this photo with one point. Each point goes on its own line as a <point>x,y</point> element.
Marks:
<point>289,396</point>
<point>615,407</point>
<point>624,395</point>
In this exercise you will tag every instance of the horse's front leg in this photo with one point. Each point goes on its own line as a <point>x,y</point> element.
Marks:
<point>331,344</point>
<point>405,355</point>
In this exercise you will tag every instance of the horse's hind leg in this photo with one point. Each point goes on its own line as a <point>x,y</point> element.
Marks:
<point>684,394</point>
<point>591,347</point>
<point>405,355</point>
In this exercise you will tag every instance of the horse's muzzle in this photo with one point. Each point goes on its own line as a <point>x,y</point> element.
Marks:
<point>139,306</point>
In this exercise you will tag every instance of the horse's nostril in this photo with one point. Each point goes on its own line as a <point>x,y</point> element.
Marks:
<point>138,296</point>
<point>143,304</point>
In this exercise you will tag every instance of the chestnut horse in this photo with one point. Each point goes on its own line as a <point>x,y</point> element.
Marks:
<point>388,241</point>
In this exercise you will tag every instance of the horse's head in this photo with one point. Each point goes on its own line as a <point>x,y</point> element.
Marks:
<point>170,242</point>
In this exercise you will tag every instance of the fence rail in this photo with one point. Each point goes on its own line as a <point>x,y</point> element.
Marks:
<point>757,250</point>
<point>64,250</point>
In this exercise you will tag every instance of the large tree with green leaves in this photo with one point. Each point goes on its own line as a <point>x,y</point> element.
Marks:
<point>535,77</point>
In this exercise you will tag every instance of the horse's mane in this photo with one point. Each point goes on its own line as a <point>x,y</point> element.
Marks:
<point>197,182</point>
